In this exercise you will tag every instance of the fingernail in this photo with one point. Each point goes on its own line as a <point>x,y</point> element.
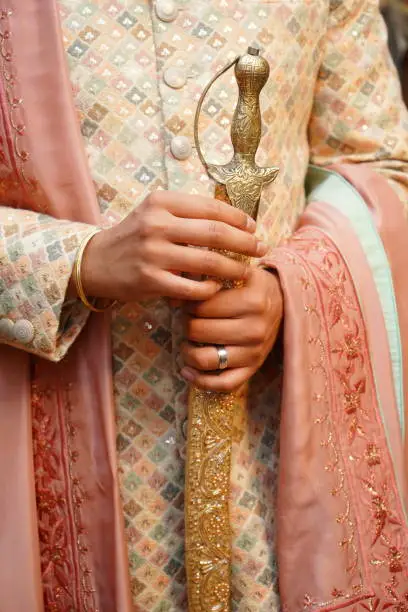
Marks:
<point>262,248</point>
<point>251,224</point>
<point>188,374</point>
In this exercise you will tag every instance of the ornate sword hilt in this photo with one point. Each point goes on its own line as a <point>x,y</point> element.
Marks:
<point>241,176</point>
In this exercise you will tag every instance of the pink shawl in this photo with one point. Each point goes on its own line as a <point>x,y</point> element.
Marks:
<point>342,493</point>
<point>62,545</point>
<point>342,533</point>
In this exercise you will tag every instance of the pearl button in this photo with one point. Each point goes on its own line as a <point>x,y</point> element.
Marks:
<point>180,147</point>
<point>166,10</point>
<point>23,331</point>
<point>175,77</point>
<point>6,329</point>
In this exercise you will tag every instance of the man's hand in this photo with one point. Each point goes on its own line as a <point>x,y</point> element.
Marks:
<point>145,255</point>
<point>246,321</point>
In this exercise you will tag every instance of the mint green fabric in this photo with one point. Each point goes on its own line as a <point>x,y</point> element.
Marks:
<point>326,186</point>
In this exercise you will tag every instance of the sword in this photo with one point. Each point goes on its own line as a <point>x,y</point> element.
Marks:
<point>211,415</point>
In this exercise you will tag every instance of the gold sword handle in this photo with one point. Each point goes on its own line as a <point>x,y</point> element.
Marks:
<point>251,72</point>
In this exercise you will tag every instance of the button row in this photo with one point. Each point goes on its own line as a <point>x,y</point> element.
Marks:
<point>21,332</point>
<point>174,77</point>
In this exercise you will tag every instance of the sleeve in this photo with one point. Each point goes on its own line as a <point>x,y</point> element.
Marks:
<point>358,114</point>
<point>37,254</point>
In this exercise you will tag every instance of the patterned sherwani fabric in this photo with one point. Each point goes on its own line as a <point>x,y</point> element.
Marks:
<point>332,96</point>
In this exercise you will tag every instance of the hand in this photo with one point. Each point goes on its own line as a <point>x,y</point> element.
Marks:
<point>246,321</point>
<point>144,256</point>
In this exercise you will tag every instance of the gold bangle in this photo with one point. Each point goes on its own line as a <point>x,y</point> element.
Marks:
<point>77,273</point>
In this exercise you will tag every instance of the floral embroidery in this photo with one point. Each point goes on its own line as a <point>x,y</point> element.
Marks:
<point>66,578</point>
<point>350,428</point>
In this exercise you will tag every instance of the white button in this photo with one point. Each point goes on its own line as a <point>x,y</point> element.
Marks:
<point>23,331</point>
<point>180,147</point>
<point>6,329</point>
<point>175,77</point>
<point>166,10</point>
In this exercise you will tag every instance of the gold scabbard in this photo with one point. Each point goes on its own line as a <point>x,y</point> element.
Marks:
<point>211,415</point>
<point>208,532</point>
<point>208,538</point>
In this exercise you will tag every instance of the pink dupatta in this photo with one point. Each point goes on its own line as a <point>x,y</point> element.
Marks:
<point>342,533</point>
<point>62,545</point>
<point>342,525</point>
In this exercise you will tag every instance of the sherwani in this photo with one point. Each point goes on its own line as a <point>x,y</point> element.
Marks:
<point>332,96</point>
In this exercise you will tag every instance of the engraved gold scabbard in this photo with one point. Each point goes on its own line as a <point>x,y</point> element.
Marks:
<point>211,415</point>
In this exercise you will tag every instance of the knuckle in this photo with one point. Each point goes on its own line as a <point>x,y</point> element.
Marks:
<point>201,360</point>
<point>241,218</point>
<point>244,270</point>
<point>254,244</point>
<point>154,200</point>
<point>215,231</point>
<point>254,303</point>
<point>144,228</point>
<point>191,330</point>
<point>256,331</point>
<point>151,224</point>
<point>187,292</point>
<point>144,274</point>
<point>256,358</point>
<point>150,251</point>
<point>215,207</point>
<point>211,262</point>
<point>212,227</point>
<point>219,208</point>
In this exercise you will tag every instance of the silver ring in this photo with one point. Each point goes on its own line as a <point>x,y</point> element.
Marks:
<point>222,357</point>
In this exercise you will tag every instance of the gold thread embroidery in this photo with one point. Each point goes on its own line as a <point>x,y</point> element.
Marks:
<point>383,532</point>
<point>63,541</point>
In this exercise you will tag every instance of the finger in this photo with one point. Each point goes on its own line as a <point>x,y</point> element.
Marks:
<point>186,206</point>
<point>248,300</point>
<point>180,288</point>
<point>199,262</point>
<point>205,358</point>
<point>214,235</point>
<point>225,382</point>
<point>176,303</point>
<point>235,332</point>
<point>230,303</point>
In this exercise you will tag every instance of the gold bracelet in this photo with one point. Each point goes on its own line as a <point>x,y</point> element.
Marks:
<point>77,274</point>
